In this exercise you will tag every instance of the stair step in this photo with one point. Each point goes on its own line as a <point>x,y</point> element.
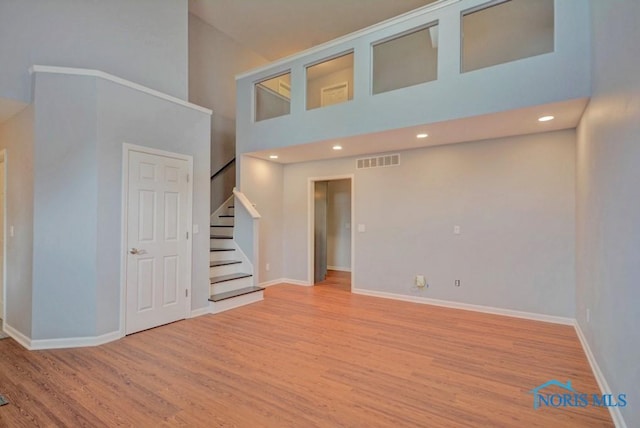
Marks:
<point>221,237</point>
<point>216,249</point>
<point>221,225</point>
<point>226,216</point>
<point>230,206</point>
<point>224,263</point>
<point>235,293</point>
<point>231,277</point>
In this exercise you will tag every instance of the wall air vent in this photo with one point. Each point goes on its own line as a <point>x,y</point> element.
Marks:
<point>378,161</point>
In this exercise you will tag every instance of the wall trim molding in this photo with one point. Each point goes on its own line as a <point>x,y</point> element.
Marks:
<point>615,412</point>
<point>17,336</point>
<point>120,81</point>
<point>75,342</point>
<point>467,306</point>
<point>285,281</point>
<point>199,312</point>
<point>296,282</point>
<point>339,268</point>
<point>271,282</point>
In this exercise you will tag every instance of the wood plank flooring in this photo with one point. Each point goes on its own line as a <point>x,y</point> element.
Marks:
<point>307,357</point>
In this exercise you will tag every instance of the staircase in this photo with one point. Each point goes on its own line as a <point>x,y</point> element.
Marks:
<point>231,273</point>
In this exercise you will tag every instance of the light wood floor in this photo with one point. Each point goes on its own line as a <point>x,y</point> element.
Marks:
<point>305,357</point>
<point>337,280</point>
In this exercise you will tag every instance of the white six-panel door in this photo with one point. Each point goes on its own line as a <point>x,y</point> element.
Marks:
<point>157,270</point>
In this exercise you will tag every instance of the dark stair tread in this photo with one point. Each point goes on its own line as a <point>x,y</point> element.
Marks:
<point>230,277</point>
<point>230,206</point>
<point>220,237</point>
<point>215,249</point>
<point>224,263</point>
<point>226,216</point>
<point>221,225</point>
<point>235,293</point>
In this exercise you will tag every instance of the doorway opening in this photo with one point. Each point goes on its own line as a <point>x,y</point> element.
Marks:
<point>331,214</point>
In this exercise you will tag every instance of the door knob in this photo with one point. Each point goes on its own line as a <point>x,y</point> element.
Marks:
<point>134,251</point>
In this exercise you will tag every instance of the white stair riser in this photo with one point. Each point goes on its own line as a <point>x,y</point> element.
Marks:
<point>223,220</point>
<point>221,243</point>
<point>224,231</point>
<point>223,287</point>
<point>235,302</point>
<point>225,270</point>
<point>223,255</point>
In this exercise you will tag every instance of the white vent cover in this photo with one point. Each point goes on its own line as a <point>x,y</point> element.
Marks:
<point>378,161</point>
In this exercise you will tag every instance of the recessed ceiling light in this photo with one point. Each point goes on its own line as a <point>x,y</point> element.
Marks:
<point>273,156</point>
<point>545,118</point>
<point>422,135</point>
<point>337,147</point>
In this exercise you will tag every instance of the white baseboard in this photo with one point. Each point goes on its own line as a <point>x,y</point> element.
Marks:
<point>284,281</point>
<point>17,336</point>
<point>236,302</point>
<point>199,312</point>
<point>616,415</point>
<point>270,283</point>
<point>467,306</point>
<point>296,282</point>
<point>75,342</point>
<point>338,268</point>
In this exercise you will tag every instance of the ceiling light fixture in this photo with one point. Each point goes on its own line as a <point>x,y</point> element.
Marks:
<point>337,147</point>
<point>545,118</point>
<point>422,135</point>
<point>273,156</point>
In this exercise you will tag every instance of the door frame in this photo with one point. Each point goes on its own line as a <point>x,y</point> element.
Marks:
<point>3,160</point>
<point>126,150</point>
<point>311,224</point>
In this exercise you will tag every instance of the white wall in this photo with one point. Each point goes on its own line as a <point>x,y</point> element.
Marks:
<point>214,60</point>
<point>81,124</point>
<point>125,115</point>
<point>608,206</point>
<point>339,224</point>
<point>16,136</point>
<point>263,185</point>
<point>144,41</point>
<point>512,197</point>
<point>65,207</point>
<point>558,76</point>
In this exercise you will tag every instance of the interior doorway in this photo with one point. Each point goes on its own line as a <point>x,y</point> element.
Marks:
<point>331,232</point>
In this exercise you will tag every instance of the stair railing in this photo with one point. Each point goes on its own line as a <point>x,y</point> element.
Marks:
<point>222,183</point>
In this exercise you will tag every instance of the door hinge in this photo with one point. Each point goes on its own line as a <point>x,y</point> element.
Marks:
<point>187,178</point>
<point>186,292</point>
<point>187,235</point>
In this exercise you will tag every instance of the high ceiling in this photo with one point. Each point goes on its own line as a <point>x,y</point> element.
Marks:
<point>278,28</point>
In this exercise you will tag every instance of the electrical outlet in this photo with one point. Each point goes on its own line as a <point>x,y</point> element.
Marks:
<point>267,267</point>
<point>457,283</point>
<point>421,281</point>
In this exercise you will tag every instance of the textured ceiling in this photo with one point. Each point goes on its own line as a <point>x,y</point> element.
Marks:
<point>278,28</point>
